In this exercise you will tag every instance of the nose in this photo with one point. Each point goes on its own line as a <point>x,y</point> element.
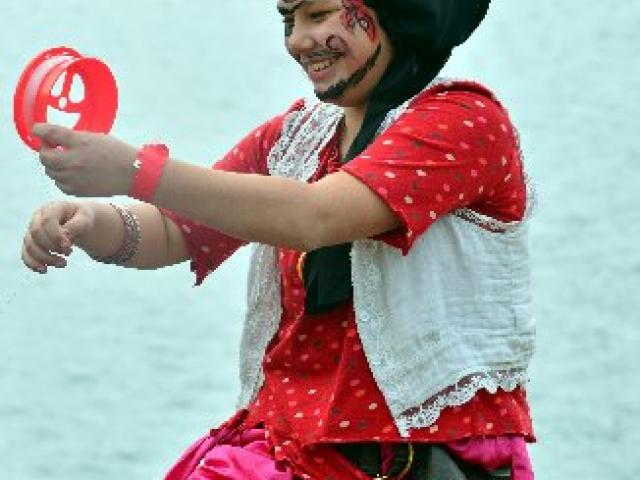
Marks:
<point>300,40</point>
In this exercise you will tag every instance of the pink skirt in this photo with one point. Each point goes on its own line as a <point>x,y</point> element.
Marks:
<point>230,452</point>
<point>234,452</point>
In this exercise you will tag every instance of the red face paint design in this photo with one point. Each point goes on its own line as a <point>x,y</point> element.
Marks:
<point>355,14</point>
<point>333,40</point>
<point>336,44</point>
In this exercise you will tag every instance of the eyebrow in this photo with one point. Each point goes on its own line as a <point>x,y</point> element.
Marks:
<point>284,11</point>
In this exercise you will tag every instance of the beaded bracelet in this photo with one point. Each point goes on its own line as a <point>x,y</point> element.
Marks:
<point>132,238</point>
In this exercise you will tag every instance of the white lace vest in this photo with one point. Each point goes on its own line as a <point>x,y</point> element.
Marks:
<point>450,318</point>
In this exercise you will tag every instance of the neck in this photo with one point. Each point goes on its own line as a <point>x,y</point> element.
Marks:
<point>353,119</point>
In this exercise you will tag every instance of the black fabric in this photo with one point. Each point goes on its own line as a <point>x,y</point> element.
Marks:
<point>423,33</point>
<point>430,462</point>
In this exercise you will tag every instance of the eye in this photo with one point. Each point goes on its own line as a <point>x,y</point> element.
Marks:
<point>319,14</point>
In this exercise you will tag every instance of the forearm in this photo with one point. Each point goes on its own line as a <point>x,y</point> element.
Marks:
<point>254,208</point>
<point>108,235</point>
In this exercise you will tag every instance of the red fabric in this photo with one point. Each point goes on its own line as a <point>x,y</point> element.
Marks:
<point>454,147</point>
<point>207,247</point>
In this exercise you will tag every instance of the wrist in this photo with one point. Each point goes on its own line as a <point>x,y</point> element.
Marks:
<point>148,166</point>
<point>103,233</point>
<point>129,241</point>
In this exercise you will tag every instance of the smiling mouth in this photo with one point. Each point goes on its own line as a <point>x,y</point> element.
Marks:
<point>317,66</point>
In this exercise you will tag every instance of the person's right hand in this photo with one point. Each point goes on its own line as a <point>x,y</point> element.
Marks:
<point>53,229</point>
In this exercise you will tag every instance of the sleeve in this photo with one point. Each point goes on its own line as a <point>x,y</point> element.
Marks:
<point>450,149</point>
<point>207,247</point>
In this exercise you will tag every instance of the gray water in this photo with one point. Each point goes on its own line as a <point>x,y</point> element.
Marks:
<point>108,373</point>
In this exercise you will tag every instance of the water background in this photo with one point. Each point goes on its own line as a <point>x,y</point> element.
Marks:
<point>108,373</point>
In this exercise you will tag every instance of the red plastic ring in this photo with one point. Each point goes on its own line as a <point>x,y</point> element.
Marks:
<point>33,95</point>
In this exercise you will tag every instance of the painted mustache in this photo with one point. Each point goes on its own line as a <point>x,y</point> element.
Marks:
<point>319,56</point>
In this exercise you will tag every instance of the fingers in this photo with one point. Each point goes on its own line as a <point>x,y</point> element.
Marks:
<point>52,160</point>
<point>55,135</point>
<point>45,227</point>
<point>32,263</point>
<point>79,223</point>
<point>45,237</point>
<point>37,258</point>
<point>51,237</point>
<point>57,168</point>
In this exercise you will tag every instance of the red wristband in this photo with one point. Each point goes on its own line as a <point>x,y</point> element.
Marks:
<point>149,164</point>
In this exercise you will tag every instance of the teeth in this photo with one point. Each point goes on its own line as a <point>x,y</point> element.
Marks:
<point>318,67</point>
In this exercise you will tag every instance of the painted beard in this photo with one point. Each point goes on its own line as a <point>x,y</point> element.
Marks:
<point>337,90</point>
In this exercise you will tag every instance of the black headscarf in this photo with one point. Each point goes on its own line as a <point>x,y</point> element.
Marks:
<point>423,33</point>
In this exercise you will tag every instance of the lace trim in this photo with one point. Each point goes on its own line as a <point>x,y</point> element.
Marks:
<point>459,394</point>
<point>494,225</point>
<point>261,321</point>
<point>305,133</point>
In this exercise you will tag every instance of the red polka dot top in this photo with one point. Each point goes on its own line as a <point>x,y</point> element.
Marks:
<point>454,147</point>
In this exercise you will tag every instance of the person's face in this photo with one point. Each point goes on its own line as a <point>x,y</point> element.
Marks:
<point>339,44</point>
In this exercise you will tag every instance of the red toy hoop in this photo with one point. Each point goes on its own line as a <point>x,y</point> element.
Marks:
<point>34,93</point>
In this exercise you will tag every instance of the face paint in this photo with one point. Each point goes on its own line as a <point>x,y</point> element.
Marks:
<point>339,46</point>
<point>289,5</point>
<point>288,28</point>
<point>287,8</point>
<point>345,41</point>
<point>336,44</point>
<point>337,90</point>
<point>356,14</point>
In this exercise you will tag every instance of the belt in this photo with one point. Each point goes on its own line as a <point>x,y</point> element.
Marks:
<point>420,461</point>
<point>368,458</point>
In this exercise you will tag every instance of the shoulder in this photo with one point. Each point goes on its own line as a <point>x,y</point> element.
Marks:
<point>462,111</point>
<point>472,90</point>
<point>297,106</point>
<point>469,97</point>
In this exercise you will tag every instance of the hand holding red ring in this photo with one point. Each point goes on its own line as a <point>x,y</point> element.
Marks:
<point>85,164</point>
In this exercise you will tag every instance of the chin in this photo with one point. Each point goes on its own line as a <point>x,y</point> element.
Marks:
<point>342,101</point>
<point>345,98</point>
<point>331,92</point>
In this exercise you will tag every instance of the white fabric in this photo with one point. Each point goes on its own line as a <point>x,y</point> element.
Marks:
<point>450,318</point>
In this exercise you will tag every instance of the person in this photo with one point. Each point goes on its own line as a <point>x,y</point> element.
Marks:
<point>388,329</point>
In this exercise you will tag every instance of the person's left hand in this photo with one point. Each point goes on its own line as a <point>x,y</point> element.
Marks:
<point>88,164</point>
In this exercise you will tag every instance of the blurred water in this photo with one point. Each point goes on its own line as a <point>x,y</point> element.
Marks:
<point>107,373</point>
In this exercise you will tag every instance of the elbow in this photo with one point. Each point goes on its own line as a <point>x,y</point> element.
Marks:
<point>310,240</point>
<point>313,227</point>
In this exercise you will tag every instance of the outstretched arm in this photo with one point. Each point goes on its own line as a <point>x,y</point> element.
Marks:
<point>275,210</point>
<point>251,207</point>
<point>107,235</point>
<point>94,227</point>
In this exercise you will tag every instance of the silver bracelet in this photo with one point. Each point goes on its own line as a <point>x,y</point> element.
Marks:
<point>132,237</point>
